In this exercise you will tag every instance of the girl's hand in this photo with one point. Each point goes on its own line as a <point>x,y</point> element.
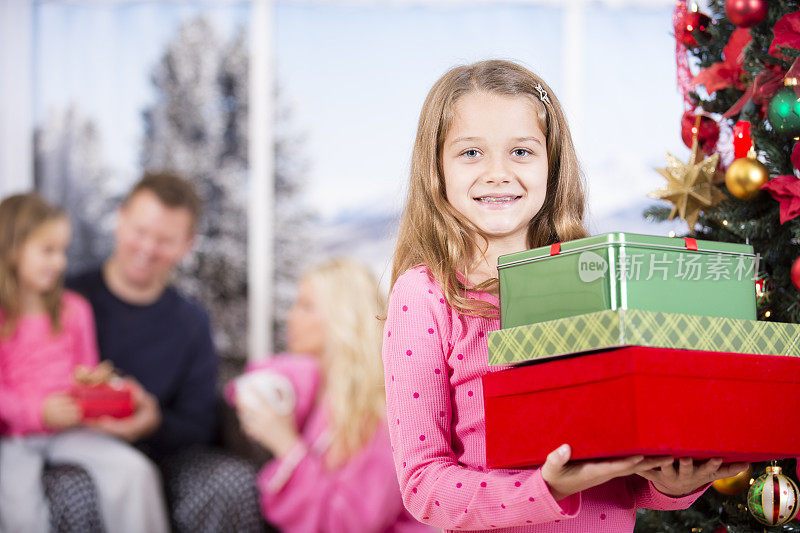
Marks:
<point>688,478</point>
<point>259,421</point>
<point>566,479</point>
<point>60,411</point>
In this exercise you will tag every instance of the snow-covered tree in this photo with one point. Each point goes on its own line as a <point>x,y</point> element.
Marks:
<point>296,245</point>
<point>70,172</point>
<point>197,126</point>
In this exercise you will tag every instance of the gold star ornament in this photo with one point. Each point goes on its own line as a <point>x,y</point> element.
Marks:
<point>690,186</point>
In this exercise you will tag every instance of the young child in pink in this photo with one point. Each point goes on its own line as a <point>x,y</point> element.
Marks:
<point>45,333</point>
<point>323,415</point>
<point>493,172</point>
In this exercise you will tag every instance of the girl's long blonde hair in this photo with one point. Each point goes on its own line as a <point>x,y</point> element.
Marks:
<point>432,232</point>
<point>350,301</point>
<point>20,216</point>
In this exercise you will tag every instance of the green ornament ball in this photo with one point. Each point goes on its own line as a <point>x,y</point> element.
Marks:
<point>784,112</point>
<point>772,498</point>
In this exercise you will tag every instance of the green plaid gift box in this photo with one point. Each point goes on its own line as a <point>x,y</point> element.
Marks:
<point>634,327</point>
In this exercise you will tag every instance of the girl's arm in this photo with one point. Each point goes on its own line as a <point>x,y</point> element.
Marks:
<point>361,495</point>
<point>436,488</point>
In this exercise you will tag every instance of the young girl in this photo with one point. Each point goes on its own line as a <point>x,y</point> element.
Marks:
<point>493,172</point>
<point>45,333</point>
<point>333,470</point>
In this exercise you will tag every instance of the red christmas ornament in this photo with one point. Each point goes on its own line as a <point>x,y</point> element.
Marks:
<point>693,29</point>
<point>741,139</point>
<point>746,13</point>
<point>796,273</point>
<point>786,191</point>
<point>707,132</point>
<point>796,156</point>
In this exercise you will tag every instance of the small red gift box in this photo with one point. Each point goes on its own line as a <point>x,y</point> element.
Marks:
<point>104,400</point>
<point>651,401</point>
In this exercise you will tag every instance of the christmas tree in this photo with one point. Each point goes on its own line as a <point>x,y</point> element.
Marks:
<point>197,125</point>
<point>71,171</point>
<point>739,71</point>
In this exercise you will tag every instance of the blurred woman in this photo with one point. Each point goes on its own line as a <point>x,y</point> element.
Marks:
<point>322,413</point>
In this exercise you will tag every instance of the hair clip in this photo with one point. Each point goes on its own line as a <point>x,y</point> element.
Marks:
<point>542,94</point>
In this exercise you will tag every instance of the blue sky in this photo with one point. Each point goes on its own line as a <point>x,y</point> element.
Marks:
<point>356,77</point>
<point>365,75</point>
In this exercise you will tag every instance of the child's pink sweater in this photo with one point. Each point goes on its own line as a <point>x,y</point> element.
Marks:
<point>434,359</point>
<point>35,362</point>
<point>302,493</point>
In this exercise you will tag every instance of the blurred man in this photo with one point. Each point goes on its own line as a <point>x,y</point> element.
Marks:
<point>161,339</point>
<point>148,329</point>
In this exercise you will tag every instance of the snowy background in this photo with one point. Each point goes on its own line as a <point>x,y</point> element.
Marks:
<point>146,85</point>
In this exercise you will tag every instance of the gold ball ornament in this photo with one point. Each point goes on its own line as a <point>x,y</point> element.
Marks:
<point>745,177</point>
<point>734,484</point>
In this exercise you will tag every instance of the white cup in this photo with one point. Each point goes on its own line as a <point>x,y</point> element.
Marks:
<point>264,385</point>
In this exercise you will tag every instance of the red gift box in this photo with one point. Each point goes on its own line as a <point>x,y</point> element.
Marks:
<point>106,399</point>
<point>651,401</point>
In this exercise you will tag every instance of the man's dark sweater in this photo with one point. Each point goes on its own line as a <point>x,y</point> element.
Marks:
<point>167,347</point>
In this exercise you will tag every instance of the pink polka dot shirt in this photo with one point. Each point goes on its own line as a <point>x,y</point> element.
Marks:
<point>434,359</point>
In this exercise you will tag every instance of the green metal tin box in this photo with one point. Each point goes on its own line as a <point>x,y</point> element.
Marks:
<point>627,271</point>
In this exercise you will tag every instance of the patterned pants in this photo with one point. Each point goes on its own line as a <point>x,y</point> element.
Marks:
<point>73,500</point>
<point>208,491</point>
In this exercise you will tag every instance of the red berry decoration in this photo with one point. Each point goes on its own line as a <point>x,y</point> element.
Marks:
<point>795,158</point>
<point>742,141</point>
<point>694,29</point>
<point>796,273</point>
<point>746,13</point>
<point>707,132</point>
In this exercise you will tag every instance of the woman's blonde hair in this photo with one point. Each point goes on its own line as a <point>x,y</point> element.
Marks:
<point>350,301</point>
<point>20,216</point>
<point>432,232</point>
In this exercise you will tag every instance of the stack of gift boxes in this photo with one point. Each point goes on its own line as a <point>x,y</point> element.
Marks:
<point>627,344</point>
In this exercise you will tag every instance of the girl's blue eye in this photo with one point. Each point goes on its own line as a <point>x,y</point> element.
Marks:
<point>521,152</point>
<point>470,153</point>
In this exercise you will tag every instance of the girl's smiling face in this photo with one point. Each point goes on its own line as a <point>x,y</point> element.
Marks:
<point>494,160</point>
